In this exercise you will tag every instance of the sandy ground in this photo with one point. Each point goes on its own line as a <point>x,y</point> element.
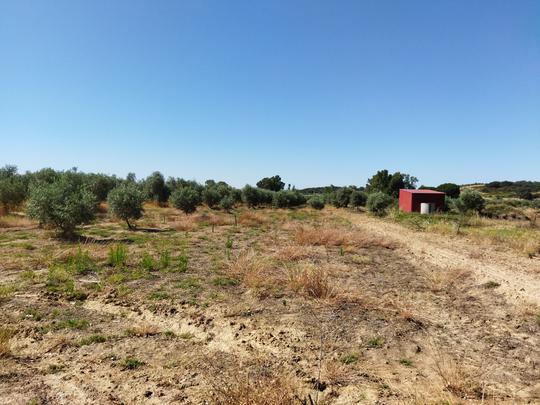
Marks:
<point>519,277</point>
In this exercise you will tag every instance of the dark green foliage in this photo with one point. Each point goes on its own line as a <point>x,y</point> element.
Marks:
<point>288,199</point>
<point>126,202</point>
<point>358,199</point>
<point>450,189</point>
<point>520,189</point>
<point>101,185</point>
<point>185,199</point>
<point>254,196</point>
<point>378,203</point>
<point>469,201</point>
<point>155,188</point>
<point>12,188</point>
<point>226,203</point>
<point>342,197</point>
<point>63,204</point>
<point>390,184</point>
<point>211,196</point>
<point>316,202</point>
<point>273,183</point>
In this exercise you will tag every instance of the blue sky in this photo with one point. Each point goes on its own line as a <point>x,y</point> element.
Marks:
<point>319,92</point>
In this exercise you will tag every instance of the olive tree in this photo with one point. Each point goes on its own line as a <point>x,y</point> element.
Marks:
<point>358,199</point>
<point>185,199</point>
<point>63,204</point>
<point>378,203</point>
<point>126,202</point>
<point>12,188</point>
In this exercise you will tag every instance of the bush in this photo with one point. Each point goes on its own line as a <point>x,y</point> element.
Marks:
<point>377,203</point>
<point>288,199</point>
<point>358,199</point>
<point>254,197</point>
<point>342,197</point>
<point>469,201</point>
<point>126,202</point>
<point>63,204</point>
<point>316,203</point>
<point>185,199</point>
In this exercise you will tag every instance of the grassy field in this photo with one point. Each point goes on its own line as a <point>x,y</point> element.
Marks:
<point>270,307</point>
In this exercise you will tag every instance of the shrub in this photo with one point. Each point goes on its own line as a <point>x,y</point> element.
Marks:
<point>63,204</point>
<point>469,201</point>
<point>186,199</point>
<point>126,202</point>
<point>288,199</point>
<point>377,203</point>
<point>254,197</point>
<point>316,203</point>
<point>358,199</point>
<point>342,197</point>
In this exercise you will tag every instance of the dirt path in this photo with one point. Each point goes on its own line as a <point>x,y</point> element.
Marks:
<point>519,277</point>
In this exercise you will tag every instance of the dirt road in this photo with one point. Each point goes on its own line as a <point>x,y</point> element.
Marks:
<point>518,276</point>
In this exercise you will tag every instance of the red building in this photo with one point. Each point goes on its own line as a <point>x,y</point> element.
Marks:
<point>410,200</point>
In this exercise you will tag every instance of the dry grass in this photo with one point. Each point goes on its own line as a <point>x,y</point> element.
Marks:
<point>5,335</point>
<point>313,281</point>
<point>255,271</point>
<point>291,253</point>
<point>443,280</point>
<point>326,236</point>
<point>142,331</point>
<point>184,224</point>
<point>15,221</point>
<point>251,218</point>
<point>260,389</point>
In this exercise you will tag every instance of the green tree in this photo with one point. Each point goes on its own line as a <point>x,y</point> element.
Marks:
<point>155,188</point>
<point>126,202</point>
<point>211,196</point>
<point>273,183</point>
<point>63,204</point>
<point>390,184</point>
<point>185,199</point>
<point>12,188</point>
<point>378,203</point>
<point>450,189</point>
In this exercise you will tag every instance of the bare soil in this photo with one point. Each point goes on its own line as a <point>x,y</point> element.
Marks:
<point>278,309</point>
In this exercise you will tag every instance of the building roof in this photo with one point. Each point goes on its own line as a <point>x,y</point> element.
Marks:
<point>420,191</point>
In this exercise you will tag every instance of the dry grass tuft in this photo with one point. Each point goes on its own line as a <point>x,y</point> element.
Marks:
<point>15,221</point>
<point>312,281</point>
<point>251,218</point>
<point>142,331</point>
<point>326,236</point>
<point>185,223</point>
<point>255,271</point>
<point>291,253</point>
<point>5,335</point>
<point>255,390</point>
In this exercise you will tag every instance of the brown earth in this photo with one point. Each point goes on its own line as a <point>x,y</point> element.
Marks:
<point>279,309</point>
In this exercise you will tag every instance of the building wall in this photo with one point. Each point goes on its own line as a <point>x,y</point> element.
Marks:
<point>417,199</point>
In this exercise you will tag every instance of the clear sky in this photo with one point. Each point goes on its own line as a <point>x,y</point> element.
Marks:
<point>319,92</point>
